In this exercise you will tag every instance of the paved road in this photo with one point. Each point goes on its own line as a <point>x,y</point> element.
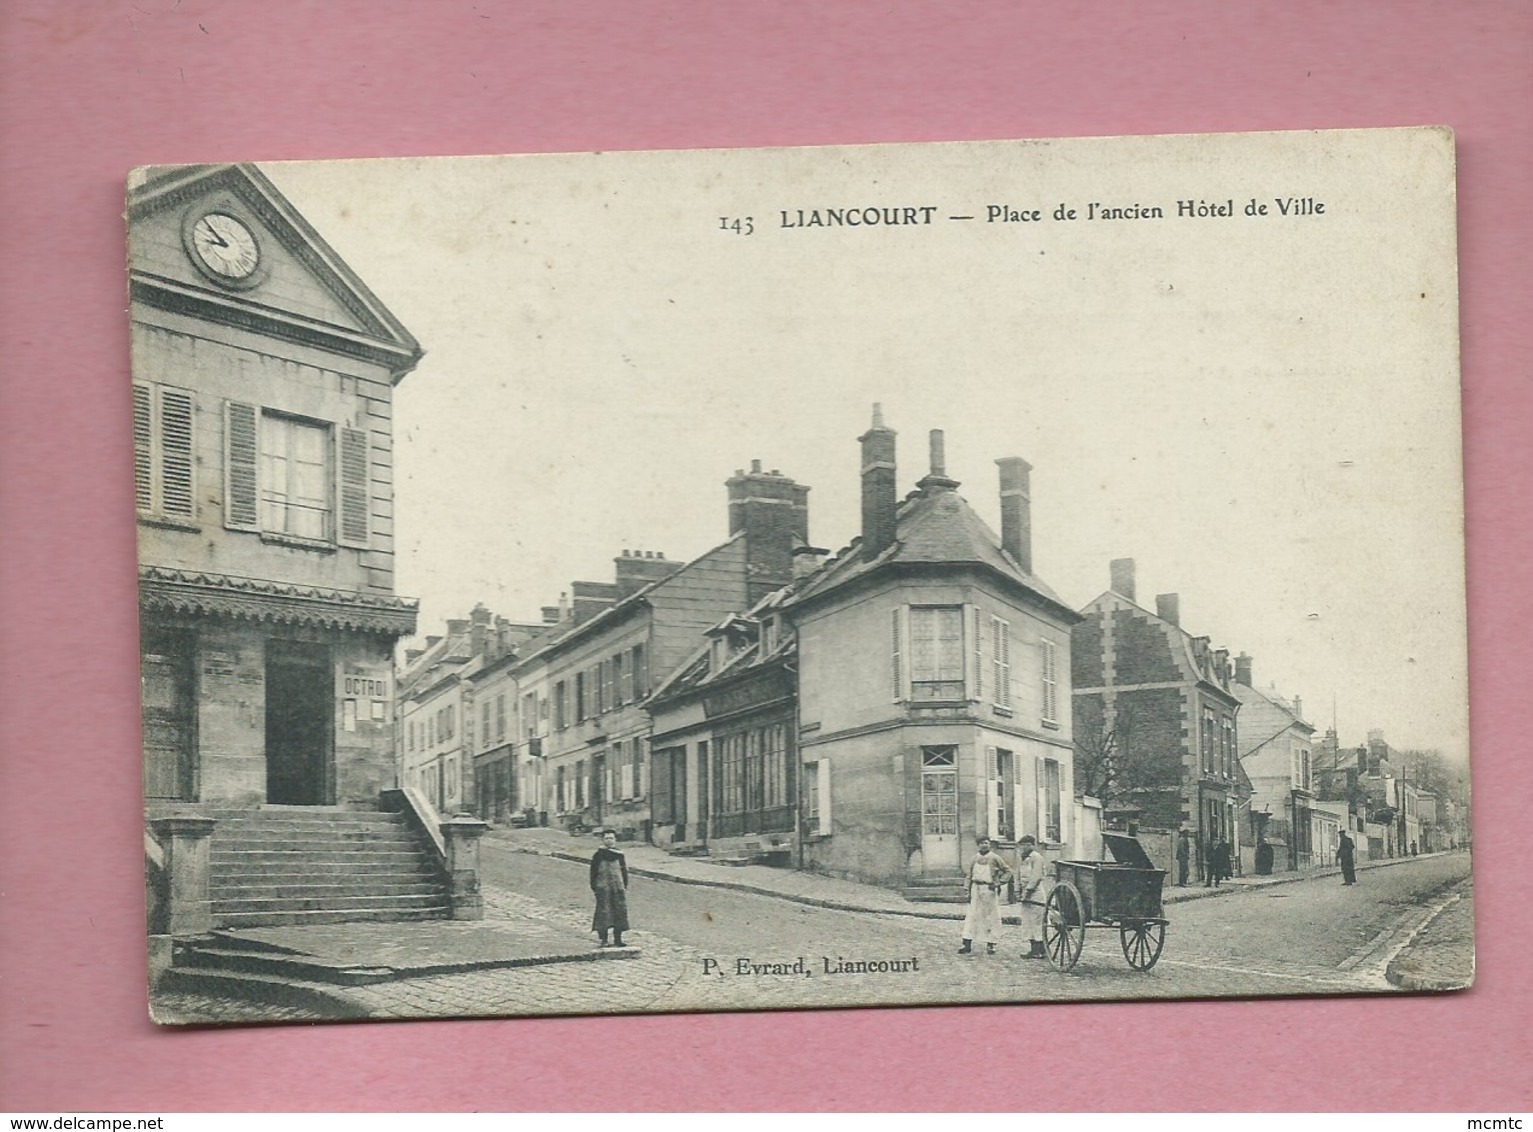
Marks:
<point>1301,938</point>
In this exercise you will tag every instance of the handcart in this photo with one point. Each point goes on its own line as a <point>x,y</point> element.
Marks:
<point>1124,893</point>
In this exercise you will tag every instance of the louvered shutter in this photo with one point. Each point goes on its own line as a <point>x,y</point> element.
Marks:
<point>897,628</point>
<point>177,499</point>
<point>143,447</point>
<point>241,462</point>
<point>975,658</point>
<point>353,493</point>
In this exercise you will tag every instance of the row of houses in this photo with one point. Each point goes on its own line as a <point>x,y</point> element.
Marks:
<point>867,714</point>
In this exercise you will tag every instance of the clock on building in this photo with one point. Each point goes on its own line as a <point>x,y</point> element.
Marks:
<point>225,248</point>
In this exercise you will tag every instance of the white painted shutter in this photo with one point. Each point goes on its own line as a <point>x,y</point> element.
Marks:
<point>352,490</point>
<point>822,770</point>
<point>900,630</point>
<point>992,797</point>
<point>241,462</point>
<point>975,664</point>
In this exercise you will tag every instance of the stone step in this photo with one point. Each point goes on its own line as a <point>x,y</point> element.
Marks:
<point>371,874</point>
<point>220,956</point>
<point>265,888</point>
<point>326,903</point>
<point>310,814</point>
<point>263,989</point>
<point>313,844</point>
<point>253,919</point>
<point>317,858</point>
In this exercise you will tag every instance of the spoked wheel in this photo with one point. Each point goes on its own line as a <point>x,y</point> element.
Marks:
<point>1064,925</point>
<point>1142,941</point>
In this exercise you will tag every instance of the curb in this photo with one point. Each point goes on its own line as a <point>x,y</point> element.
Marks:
<point>1396,977</point>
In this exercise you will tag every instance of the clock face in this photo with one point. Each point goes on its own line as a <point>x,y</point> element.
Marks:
<point>225,246</point>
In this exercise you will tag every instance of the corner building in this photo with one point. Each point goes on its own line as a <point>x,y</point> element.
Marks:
<point>263,379</point>
<point>933,683</point>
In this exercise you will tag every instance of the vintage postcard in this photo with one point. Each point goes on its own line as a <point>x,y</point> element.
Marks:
<point>750,579</point>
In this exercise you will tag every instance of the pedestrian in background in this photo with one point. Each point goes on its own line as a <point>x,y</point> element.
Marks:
<point>1218,862</point>
<point>609,884</point>
<point>1183,856</point>
<point>1345,857</point>
<point>987,873</point>
<point>1030,877</point>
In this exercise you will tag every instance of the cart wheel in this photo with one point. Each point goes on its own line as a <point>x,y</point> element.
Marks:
<point>1142,941</point>
<point>1064,925</point>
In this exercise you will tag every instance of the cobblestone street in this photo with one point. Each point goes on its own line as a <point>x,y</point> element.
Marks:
<point>1313,936</point>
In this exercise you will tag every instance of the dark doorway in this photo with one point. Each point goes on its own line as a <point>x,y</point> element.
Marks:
<point>299,704</point>
<point>598,789</point>
<point>170,732</point>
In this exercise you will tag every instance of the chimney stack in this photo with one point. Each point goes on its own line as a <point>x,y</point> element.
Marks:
<point>880,492</point>
<point>638,569</point>
<point>1168,607</point>
<point>550,615</point>
<point>1243,670</point>
<point>1017,511</point>
<point>773,512</point>
<point>1122,577</point>
<point>937,478</point>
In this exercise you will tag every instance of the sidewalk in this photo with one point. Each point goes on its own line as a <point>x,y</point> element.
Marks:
<point>820,891</point>
<point>1441,956</point>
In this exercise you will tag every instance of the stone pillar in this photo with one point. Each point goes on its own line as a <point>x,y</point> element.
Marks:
<point>185,841</point>
<point>460,837</point>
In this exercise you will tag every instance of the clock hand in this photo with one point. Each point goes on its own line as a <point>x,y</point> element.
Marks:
<point>217,239</point>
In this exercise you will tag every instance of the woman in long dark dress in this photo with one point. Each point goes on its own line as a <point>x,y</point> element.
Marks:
<point>609,883</point>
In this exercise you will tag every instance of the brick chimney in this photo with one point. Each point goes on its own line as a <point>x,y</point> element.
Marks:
<point>773,513</point>
<point>636,569</point>
<point>479,628</point>
<point>1168,607</point>
<point>1243,670</point>
<point>1017,510</point>
<point>936,480</point>
<point>1122,570</point>
<point>880,492</point>
<point>591,598</point>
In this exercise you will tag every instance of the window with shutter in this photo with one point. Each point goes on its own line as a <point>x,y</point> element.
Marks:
<point>937,656</point>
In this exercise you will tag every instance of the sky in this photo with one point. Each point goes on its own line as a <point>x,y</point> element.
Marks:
<point>1262,411</point>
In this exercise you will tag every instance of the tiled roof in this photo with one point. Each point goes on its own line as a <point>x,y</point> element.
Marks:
<point>931,528</point>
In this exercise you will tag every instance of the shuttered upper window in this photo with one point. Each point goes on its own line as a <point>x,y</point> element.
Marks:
<point>163,458</point>
<point>295,478</point>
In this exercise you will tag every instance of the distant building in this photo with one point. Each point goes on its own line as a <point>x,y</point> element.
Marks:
<point>1276,751</point>
<point>263,384</point>
<point>933,682</point>
<point>1159,705</point>
<point>622,639</point>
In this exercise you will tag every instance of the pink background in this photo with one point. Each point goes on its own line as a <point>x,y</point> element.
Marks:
<point>91,89</point>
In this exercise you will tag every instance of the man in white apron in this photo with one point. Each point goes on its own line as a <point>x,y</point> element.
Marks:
<point>1031,874</point>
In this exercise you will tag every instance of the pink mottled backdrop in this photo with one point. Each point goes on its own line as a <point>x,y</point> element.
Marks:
<point>89,89</point>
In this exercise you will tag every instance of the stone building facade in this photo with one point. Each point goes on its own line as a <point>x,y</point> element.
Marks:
<point>1158,703</point>
<point>933,682</point>
<point>263,379</point>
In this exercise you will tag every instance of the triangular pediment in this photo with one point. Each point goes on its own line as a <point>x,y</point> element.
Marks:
<point>298,287</point>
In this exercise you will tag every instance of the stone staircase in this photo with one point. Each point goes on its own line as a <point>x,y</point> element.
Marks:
<point>283,865</point>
